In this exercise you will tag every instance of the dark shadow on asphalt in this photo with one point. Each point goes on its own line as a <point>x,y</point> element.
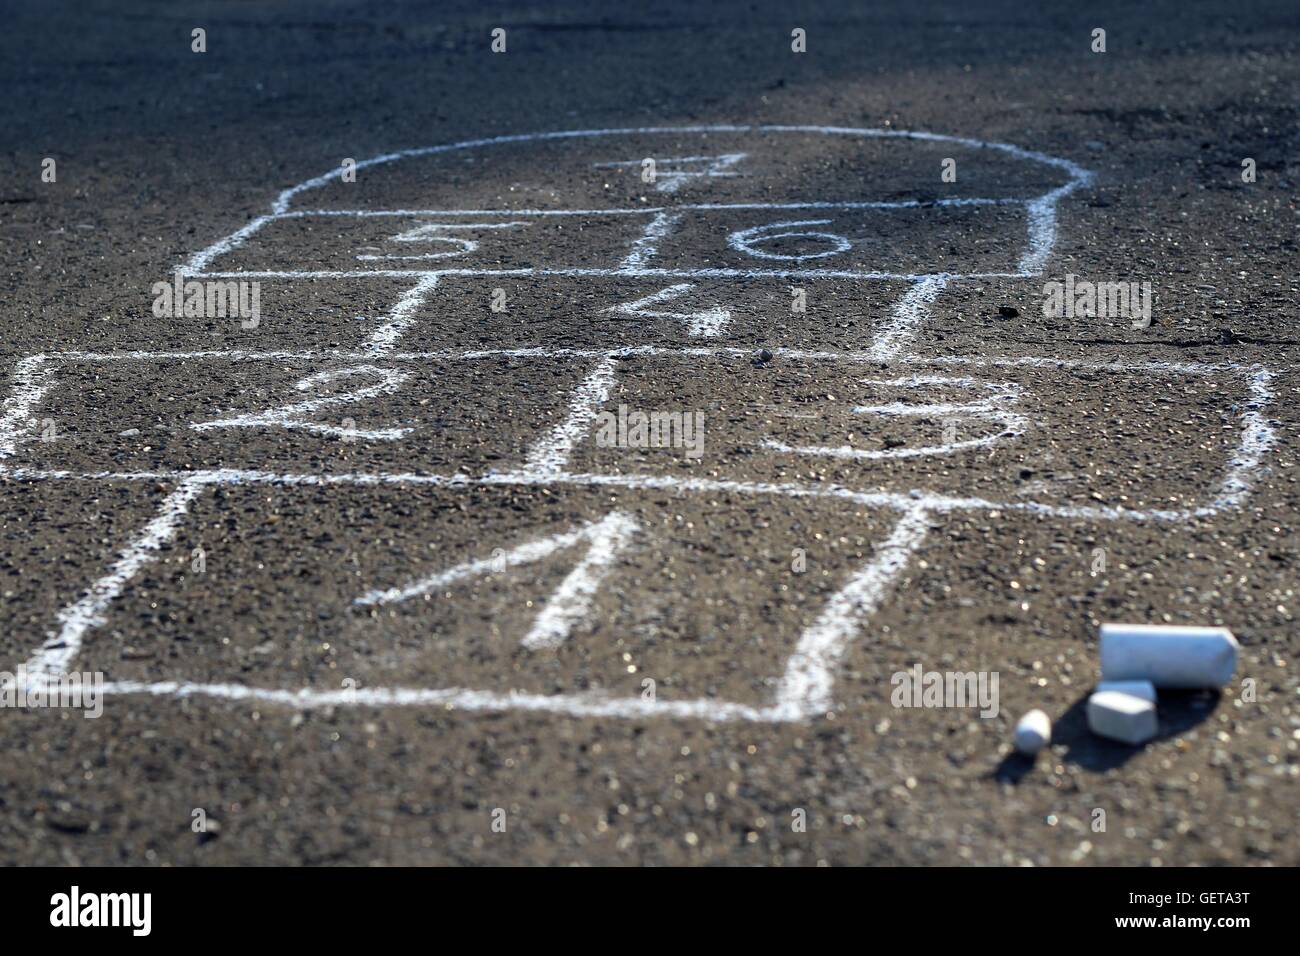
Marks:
<point>1178,712</point>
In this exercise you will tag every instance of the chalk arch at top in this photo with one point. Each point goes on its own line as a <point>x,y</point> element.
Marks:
<point>602,169</point>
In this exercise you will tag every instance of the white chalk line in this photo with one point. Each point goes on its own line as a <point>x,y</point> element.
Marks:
<point>1000,392</point>
<point>647,246</point>
<point>199,261</point>
<point>427,231</point>
<point>384,339</point>
<point>32,379</point>
<point>805,689</point>
<point>75,620</point>
<point>700,351</point>
<point>462,699</point>
<point>1258,438</point>
<point>900,501</point>
<point>551,454</point>
<point>1041,213</point>
<point>848,204</point>
<point>620,272</point>
<point>908,315</point>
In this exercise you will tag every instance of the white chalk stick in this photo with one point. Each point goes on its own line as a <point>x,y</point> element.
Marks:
<point>1168,656</point>
<point>1122,717</point>
<point>1134,688</point>
<point>1033,733</point>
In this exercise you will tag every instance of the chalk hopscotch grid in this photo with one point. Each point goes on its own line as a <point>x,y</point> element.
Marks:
<point>805,688</point>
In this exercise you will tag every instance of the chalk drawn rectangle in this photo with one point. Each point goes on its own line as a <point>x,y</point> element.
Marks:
<point>1058,435</point>
<point>870,242</point>
<point>701,622</point>
<point>323,413</point>
<point>450,242</point>
<point>1186,409</point>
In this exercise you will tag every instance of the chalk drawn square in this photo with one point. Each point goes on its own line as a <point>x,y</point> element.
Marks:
<point>454,609</point>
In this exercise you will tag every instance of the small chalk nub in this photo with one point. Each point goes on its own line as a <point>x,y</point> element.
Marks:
<point>1134,688</point>
<point>1033,733</point>
<point>1122,717</point>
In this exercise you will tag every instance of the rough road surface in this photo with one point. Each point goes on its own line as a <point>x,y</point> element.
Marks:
<point>386,574</point>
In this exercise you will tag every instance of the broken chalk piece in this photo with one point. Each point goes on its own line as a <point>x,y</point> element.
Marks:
<point>1188,657</point>
<point>1134,688</point>
<point>1033,733</point>
<point>1122,717</point>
